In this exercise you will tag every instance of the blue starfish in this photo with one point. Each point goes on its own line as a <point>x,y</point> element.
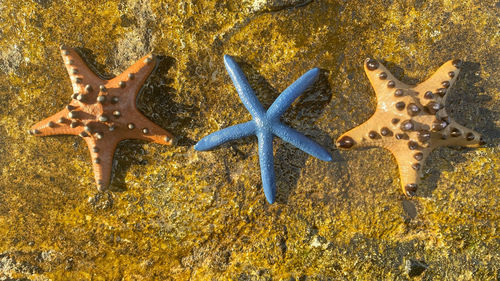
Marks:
<point>265,125</point>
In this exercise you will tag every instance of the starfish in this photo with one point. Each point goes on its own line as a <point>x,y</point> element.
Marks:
<point>103,112</point>
<point>266,125</point>
<point>410,121</point>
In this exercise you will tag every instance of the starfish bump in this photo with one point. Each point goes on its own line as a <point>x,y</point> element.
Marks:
<point>103,112</point>
<point>410,121</point>
<point>266,124</point>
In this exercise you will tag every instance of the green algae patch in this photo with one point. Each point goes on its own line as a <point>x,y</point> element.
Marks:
<point>173,213</point>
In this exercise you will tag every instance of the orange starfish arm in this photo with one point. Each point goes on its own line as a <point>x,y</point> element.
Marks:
<point>130,82</point>
<point>101,153</point>
<point>57,124</point>
<point>79,72</point>
<point>144,129</point>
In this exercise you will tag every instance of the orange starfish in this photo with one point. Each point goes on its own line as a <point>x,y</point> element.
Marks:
<point>103,112</point>
<point>410,121</point>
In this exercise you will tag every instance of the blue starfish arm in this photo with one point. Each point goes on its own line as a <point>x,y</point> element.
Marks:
<point>266,160</point>
<point>300,141</point>
<point>243,88</point>
<point>286,98</point>
<point>225,135</point>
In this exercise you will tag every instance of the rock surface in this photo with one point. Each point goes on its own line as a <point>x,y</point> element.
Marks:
<point>177,214</point>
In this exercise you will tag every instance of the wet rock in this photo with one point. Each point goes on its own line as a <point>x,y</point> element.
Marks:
<point>11,59</point>
<point>276,5</point>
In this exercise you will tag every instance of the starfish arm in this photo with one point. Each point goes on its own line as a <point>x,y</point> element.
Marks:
<point>441,80</point>
<point>286,98</point>
<point>382,79</point>
<point>228,134</point>
<point>458,135</point>
<point>79,72</point>
<point>410,165</point>
<point>140,127</point>
<point>358,136</point>
<point>129,83</point>
<point>102,153</point>
<point>300,141</point>
<point>57,124</point>
<point>243,88</point>
<point>266,161</point>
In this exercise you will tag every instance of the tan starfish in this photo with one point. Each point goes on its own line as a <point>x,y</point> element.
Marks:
<point>410,121</point>
<point>103,112</point>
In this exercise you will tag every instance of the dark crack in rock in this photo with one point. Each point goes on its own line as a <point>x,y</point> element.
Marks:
<point>415,268</point>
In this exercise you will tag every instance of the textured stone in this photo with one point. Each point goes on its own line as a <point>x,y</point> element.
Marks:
<point>177,214</point>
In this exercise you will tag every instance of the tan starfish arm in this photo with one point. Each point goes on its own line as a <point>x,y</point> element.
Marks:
<point>383,129</point>
<point>57,124</point>
<point>79,72</point>
<point>142,128</point>
<point>457,135</point>
<point>101,153</point>
<point>382,80</point>
<point>130,82</point>
<point>440,81</point>
<point>410,163</point>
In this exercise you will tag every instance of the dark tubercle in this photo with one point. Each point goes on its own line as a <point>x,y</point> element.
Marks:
<point>418,156</point>
<point>445,84</point>
<point>411,189</point>
<point>371,64</point>
<point>385,131</point>
<point>428,95</point>
<point>412,145</point>
<point>470,137</point>
<point>401,136</point>
<point>398,93</point>
<point>413,109</point>
<point>455,132</point>
<point>101,99</point>
<point>400,105</point>
<point>345,142</point>
<point>457,63</point>
<point>439,125</point>
<point>372,134</point>
<point>395,121</point>
<point>424,136</point>
<point>451,74</point>
<point>407,125</point>
<point>441,92</point>
<point>415,166</point>
<point>382,76</point>
<point>433,107</point>
<point>391,84</point>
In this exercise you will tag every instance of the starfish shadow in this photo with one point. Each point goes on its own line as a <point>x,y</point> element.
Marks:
<point>289,160</point>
